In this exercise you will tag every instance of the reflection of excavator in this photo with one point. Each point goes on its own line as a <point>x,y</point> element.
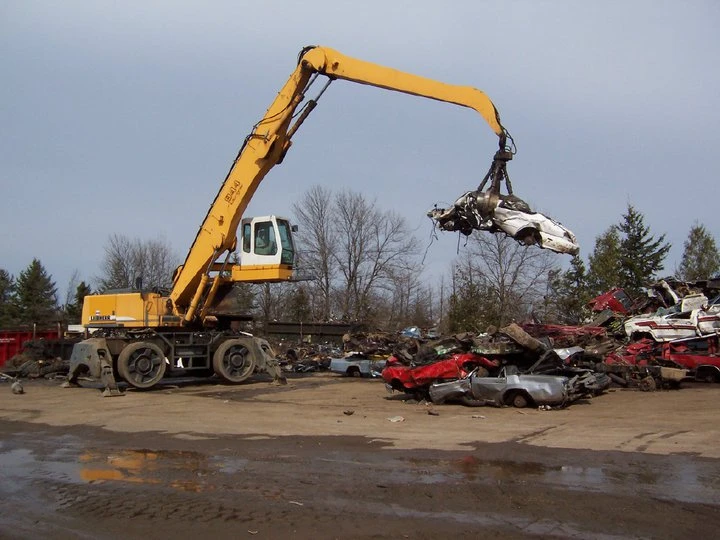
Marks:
<point>142,335</point>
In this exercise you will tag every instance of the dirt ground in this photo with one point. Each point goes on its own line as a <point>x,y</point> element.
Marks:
<point>332,457</point>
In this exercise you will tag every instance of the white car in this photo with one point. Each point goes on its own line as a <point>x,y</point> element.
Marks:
<point>692,316</point>
<point>478,210</point>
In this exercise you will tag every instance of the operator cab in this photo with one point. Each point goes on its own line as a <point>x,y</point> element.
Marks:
<point>267,241</point>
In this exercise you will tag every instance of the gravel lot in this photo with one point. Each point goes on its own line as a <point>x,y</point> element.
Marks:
<point>321,458</point>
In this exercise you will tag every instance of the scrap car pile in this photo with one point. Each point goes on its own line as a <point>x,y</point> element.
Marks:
<point>674,329</point>
<point>668,336</point>
<point>508,367</point>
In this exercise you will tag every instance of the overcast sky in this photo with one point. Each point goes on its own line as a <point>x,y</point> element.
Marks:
<point>124,117</point>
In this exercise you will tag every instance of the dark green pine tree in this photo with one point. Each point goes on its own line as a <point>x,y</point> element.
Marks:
<point>604,263</point>
<point>73,311</point>
<point>8,300</point>
<point>571,292</point>
<point>700,259</point>
<point>36,296</point>
<point>299,308</point>
<point>466,303</point>
<point>641,255</point>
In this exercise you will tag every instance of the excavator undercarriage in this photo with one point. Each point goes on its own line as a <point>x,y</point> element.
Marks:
<point>142,358</point>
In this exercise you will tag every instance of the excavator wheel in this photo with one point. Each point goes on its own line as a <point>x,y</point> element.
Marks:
<point>233,362</point>
<point>141,364</point>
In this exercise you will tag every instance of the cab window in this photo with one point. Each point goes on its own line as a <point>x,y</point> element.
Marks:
<point>265,238</point>
<point>246,237</point>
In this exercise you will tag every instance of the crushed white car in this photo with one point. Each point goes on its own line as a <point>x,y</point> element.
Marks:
<point>485,211</point>
<point>692,316</point>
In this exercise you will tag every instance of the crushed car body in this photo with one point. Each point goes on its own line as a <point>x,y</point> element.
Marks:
<point>406,378</point>
<point>488,211</point>
<point>692,316</point>
<point>509,388</point>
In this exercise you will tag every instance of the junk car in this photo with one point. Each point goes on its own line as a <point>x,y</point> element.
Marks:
<point>357,366</point>
<point>411,378</point>
<point>692,316</point>
<point>509,388</point>
<point>508,214</point>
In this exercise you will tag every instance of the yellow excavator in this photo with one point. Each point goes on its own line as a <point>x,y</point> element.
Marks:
<point>143,336</point>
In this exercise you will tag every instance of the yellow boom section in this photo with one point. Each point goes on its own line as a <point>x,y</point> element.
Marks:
<point>270,139</point>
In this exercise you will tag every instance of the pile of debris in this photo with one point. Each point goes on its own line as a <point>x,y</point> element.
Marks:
<point>305,357</point>
<point>36,360</point>
<point>511,358</point>
<point>674,327</point>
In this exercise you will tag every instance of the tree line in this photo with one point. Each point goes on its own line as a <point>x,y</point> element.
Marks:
<point>359,263</point>
<point>32,298</point>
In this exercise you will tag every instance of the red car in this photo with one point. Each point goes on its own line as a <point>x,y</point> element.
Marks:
<point>700,355</point>
<point>411,378</point>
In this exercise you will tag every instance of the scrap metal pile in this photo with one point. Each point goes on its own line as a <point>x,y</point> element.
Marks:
<point>37,359</point>
<point>506,367</point>
<point>670,334</point>
<point>550,365</point>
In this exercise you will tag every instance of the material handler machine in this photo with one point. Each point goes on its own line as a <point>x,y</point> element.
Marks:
<point>142,336</point>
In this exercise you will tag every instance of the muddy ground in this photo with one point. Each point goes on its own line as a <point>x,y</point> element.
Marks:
<point>321,458</point>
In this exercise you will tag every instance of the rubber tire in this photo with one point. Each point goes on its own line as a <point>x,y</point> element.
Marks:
<point>472,402</point>
<point>519,400</point>
<point>149,376</point>
<point>225,361</point>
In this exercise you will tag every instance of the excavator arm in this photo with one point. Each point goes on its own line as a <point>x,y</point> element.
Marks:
<point>267,144</point>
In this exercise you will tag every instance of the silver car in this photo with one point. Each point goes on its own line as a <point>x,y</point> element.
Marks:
<point>510,388</point>
<point>357,367</point>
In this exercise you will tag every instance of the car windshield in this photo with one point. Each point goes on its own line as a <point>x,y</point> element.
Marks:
<point>668,311</point>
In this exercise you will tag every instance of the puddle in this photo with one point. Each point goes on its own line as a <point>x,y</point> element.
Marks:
<point>182,470</point>
<point>69,460</point>
<point>527,526</point>
<point>685,481</point>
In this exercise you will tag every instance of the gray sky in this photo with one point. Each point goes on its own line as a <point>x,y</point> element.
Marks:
<point>124,117</point>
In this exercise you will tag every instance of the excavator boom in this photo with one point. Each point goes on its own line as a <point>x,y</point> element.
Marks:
<point>268,142</point>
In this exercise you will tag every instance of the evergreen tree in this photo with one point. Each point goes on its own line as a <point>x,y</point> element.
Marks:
<point>571,292</point>
<point>604,263</point>
<point>466,303</point>
<point>700,259</point>
<point>641,255</point>
<point>8,301</point>
<point>73,310</point>
<point>299,308</point>
<point>36,296</point>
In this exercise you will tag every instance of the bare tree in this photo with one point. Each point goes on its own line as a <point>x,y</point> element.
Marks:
<point>317,240</point>
<point>273,302</point>
<point>153,261</point>
<point>513,276</point>
<point>372,247</point>
<point>410,302</point>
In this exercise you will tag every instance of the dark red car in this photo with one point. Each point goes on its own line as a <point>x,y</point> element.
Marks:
<point>412,378</point>
<point>700,355</point>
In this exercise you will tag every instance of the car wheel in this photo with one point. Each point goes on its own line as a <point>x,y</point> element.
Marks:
<point>528,237</point>
<point>647,384</point>
<point>519,400</point>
